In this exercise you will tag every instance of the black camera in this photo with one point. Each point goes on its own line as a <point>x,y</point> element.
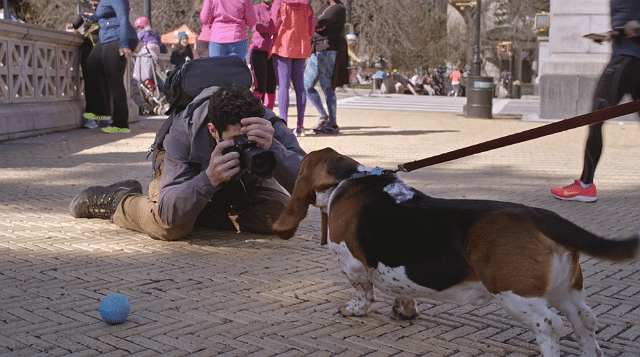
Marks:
<point>253,159</point>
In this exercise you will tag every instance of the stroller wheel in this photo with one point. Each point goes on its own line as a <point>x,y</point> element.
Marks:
<point>144,110</point>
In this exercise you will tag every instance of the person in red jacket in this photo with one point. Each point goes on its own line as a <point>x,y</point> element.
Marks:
<point>294,25</point>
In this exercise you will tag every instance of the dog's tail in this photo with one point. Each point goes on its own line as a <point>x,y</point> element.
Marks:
<point>571,235</point>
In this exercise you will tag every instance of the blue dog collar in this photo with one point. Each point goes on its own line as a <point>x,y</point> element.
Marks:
<point>378,171</point>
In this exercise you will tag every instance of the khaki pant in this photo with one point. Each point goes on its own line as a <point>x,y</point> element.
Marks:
<point>266,200</point>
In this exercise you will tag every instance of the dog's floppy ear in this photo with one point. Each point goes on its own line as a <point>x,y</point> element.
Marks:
<point>314,174</point>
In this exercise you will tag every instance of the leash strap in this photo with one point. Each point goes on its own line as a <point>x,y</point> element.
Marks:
<point>563,125</point>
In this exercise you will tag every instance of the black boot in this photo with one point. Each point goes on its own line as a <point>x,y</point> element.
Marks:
<point>101,201</point>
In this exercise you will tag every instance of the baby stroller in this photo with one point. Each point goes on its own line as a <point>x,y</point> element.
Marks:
<point>149,78</point>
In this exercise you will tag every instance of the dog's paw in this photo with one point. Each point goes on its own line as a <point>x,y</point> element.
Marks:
<point>404,309</point>
<point>353,308</point>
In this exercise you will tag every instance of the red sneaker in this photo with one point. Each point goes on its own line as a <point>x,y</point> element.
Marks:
<point>575,192</point>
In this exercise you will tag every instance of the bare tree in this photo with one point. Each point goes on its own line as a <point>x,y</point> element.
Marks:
<point>407,32</point>
<point>167,15</point>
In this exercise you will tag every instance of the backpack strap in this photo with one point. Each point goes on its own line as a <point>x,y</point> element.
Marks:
<point>156,146</point>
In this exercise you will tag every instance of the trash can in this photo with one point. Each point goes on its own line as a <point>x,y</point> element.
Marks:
<point>516,91</point>
<point>479,97</point>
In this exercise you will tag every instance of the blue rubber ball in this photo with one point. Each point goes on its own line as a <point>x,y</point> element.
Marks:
<point>114,309</point>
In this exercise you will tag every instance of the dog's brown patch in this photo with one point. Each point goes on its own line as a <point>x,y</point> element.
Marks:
<point>313,176</point>
<point>509,253</point>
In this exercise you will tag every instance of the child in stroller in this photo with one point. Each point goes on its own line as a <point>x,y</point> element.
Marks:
<point>152,98</point>
<point>147,70</point>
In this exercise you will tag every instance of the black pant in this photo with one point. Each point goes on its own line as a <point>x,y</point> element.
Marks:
<point>263,72</point>
<point>106,64</point>
<point>621,76</point>
<point>96,105</point>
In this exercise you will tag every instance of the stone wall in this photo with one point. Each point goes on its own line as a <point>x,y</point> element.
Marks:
<point>569,75</point>
<point>40,81</point>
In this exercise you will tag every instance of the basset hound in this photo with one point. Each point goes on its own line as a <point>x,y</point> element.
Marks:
<point>409,245</point>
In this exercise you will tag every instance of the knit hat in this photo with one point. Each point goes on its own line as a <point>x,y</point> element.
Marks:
<point>182,34</point>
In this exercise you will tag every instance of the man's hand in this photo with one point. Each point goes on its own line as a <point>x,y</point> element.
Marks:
<point>223,167</point>
<point>126,52</point>
<point>631,28</point>
<point>259,131</point>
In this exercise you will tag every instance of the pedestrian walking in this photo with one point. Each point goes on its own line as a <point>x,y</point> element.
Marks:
<point>96,107</point>
<point>264,74</point>
<point>328,64</point>
<point>293,27</point>
<point>202,42</point>
<point>621,76</point>
<point>182,52</point>
<point>455,77</point>
<point>108,60</point>
<point>228,21</point>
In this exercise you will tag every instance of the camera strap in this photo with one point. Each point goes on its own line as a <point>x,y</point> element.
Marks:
<point>556,127</point>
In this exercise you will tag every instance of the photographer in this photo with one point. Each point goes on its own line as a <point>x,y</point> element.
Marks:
<point>197,182</point>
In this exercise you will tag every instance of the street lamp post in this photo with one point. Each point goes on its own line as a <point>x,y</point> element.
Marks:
<point>5,5</point>
<point>147,10</point>
<point>479,89</point>
<point>476,61</point>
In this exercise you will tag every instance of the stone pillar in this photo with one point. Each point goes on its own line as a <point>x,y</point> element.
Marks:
<point>569,75</point>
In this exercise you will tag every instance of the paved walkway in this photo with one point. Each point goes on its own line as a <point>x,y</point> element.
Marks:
<point>238,294</point>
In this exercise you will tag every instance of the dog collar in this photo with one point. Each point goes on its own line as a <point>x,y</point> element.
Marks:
<point>378,171</point>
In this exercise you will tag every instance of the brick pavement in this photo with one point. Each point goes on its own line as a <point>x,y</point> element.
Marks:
<point>231,294</point>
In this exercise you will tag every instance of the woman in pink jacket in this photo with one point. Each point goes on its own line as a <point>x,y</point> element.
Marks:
<point>229,20</point>
<point>294,26</point>
<point>263,72</point>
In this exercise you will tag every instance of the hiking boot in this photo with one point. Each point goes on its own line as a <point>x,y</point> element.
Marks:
<point>321,121</point>
<point>575,192</point>
<point>91,116</point>
<point>102,201</point>
<point>115,130</point>
<point>328,128</point>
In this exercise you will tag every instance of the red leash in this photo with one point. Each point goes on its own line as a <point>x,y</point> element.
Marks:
<point>566,124</point>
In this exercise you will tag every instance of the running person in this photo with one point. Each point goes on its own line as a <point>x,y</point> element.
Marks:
<point>621,76</point>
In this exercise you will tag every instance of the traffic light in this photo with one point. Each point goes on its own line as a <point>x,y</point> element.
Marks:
<point>504,48</point>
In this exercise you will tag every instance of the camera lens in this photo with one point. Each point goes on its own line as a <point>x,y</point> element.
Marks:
<point>263,163</point>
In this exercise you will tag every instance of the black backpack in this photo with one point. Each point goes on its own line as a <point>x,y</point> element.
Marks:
<point>184,83</point>
<point>187,81</point>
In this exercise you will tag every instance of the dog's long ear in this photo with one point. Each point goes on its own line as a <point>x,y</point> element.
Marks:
<point>313,175</point>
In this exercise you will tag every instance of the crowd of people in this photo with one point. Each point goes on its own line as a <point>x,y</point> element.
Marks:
<point>288,44</point>
<point>430,83</point>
